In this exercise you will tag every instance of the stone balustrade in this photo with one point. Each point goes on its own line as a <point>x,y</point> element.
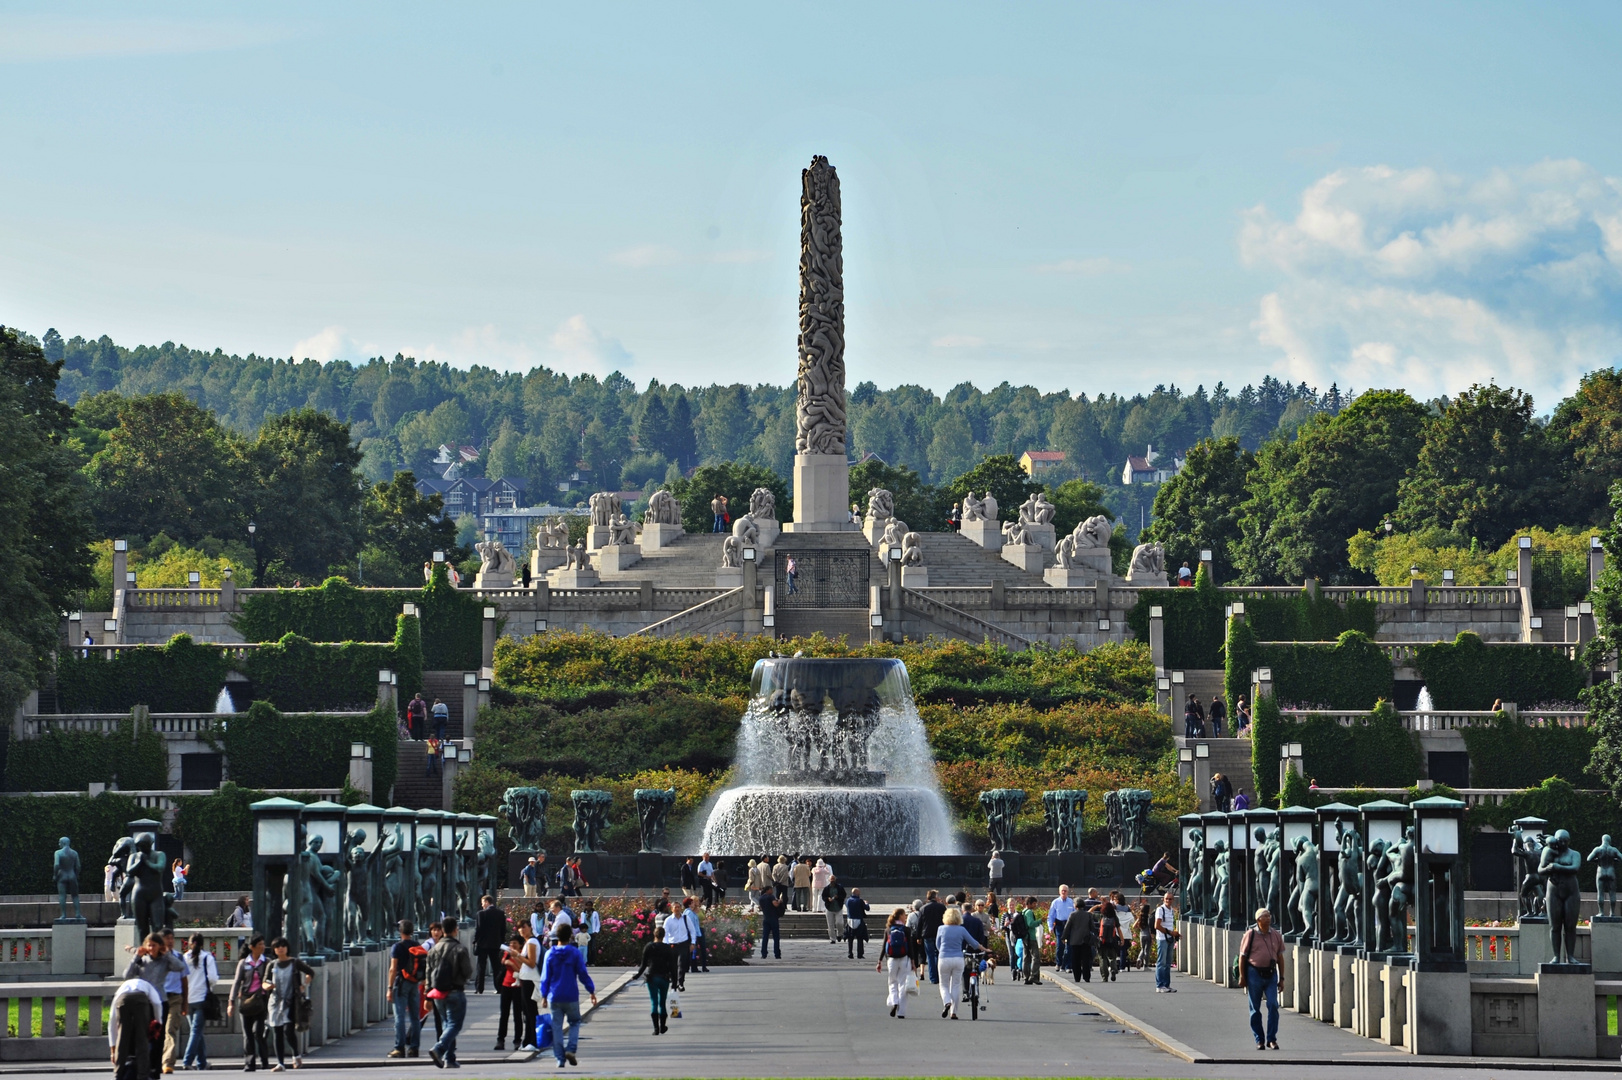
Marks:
<point>1450,719</point>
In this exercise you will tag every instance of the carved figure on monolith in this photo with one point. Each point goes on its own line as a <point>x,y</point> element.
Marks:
<point>1605,857</point>
<point>1002,806</point>
<point>590,819</point>
<point>652,812</point>
<point>1559,866</point>
<point>525,808</point>
<point>358,905</point>
<point>428,862</point>
<point>65,871</point>
<point>820,410</point>
<point>1221,867</point>
<point>1194,891</point>
<point>1379,932</point>
<point>393,854</point>
<point>1305,894</point>
<point>118,864</point>
<point>1527,847</point>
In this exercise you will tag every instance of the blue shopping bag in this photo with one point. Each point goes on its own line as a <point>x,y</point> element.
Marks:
<point>543,1031</point>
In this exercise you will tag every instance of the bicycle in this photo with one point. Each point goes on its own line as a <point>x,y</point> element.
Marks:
<point>973,964</point>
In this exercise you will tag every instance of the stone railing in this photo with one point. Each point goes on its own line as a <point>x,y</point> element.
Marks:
<point>24,952</point>
<point>1470,796</point>
<point>236,651</point>
<point>175,726</point>
<point>699,616</point>
<point>956,619</point>
<point>1449,720</point>
<point>1496,595</point>
<point>1403,653</point>
<point>171,599</point>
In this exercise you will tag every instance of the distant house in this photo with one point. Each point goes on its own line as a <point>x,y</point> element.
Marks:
<point>1036,462</point>
<point>475,495</point>
<point>1150,468</point>
<point>869,456</point>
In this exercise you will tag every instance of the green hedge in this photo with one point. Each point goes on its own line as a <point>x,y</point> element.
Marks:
<point>297,675</point>
<point>181,676</point>
<point>34,824</point>
<point>1375,752</point>
<point>452,621</point>
<point>1303,617</point>
<point>1510,754</point>
<point>1266,733</point>
<point>408,655</point>
<point>134,758</point>
<point>1351,673</point>
<point>1587,815</point>
<point>1470,674</point>
<point>265,749</point>
<point>1193,622</point>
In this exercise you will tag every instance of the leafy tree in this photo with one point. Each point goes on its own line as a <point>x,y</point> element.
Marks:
<point>167,467</point>
<point>1001,475</point>
<point>737,481</point>
<point>1339,475</point>
<point>952,446</point>
<point>44,521</point>
<point>1485,469</point>
<point>1199,507</point>
<point>1074,501</point>
<point>653,430</point>
<point>403,530</point>
<point>307,496</point>
<point>1604,699</point>
<point>1587,429</point>
<point>916,503</point>
<point>683,442</point>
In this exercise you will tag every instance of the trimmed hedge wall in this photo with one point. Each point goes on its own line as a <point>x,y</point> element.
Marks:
<point>180,676</point>
<point>1509,754</point>
<point>1352,673</point>
<point>135,759</point>
<point>1376,752</point>
<point>1470,674</point>
<point>1304,618</point>
<point>1586,815</point>
<point>452,622</point>
<point>408,655</point>
<point>265,749</point>
<point>33,826</point>
<point>1193,622</point>
<point>297,675</point>
<point>1266,733</point>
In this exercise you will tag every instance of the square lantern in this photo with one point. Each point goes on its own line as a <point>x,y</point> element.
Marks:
<point>1439,873</point>
<point>1157,612</point>
<point>1238,871</point>
<point>1202,751</point>
<point>490,614</point>
<point>540,626</point>
<point>325,820</point>
<point>408,609</point>
<point>470,679</point>
<point>1103,626</point>
<point>1238,607</point>
<point>277,837</point>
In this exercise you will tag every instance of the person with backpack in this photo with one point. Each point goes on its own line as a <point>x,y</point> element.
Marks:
<point>1110,941</point>
<point>896,962</point>
<point>771,912</point>
<point>1166,935</point>
<point>1022,928</point>
<point>561,980</point>
<point>450,966</point>
<point>289,981</point>
<point>403,990</point>
<point>202,973</point>
<point>1260,951</point>
<point>855,925</point>
<point>417,717</point>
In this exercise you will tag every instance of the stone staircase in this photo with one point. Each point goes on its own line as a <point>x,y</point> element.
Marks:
<point>689,563</point>
<point>411,788</point>
<point>955,562</point>
<point>447,687</point>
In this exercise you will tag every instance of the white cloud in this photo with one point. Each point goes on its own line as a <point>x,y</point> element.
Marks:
<point>1094,267</point>
<point>580,345</point>
<point>34,38</point>
<point>1430,281</point>
<point>958,341</point>
<point>331,343</point>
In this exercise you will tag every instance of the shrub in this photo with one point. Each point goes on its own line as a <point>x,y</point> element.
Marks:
<point>180,676</point>
<point>1193,622</point>
<point>296,675</point>
<point>265,749</point>
<point>134,757</point>
<point>1266,733</point>
<point>1510,753</point>
<point>34,824</point>
<point>1587,815</point>
<point>1302,617</point>
<point>1377,751</point>
<point>408,655</point>
<point>1352,673</point>
<point>1470,674</point>
<point>617,734</point>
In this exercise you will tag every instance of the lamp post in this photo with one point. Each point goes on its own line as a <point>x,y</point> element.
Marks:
<point>258,563</point>
<point>277,901</point>
<point>1439,885</point>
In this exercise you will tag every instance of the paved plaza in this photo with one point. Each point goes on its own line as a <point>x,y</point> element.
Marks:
<point>816,1013</point>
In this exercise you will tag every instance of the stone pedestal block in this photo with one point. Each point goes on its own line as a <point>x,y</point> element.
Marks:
<point>358,973</point>
<point>769,530</point>
<point>1324,985</point>
<point>1345,1000</point>
<point>1439,1013</point>
<point>915,577</point>
<point>729,577</point>
<point>1043,535</point>
<point>597,536</point>
<point>124,941</point>
<point>1532,945</point>
<point>543,561</point>
<point>1607,945</point>
<point>873,528</point>
<point>988,534</point>
<point>319,985</point>
<point>573,579</point>
<point>1302,959</point>
<point>616,558</point>
<point>376,975</point>
<point>657,537</point>
<point>492,581</point>
<point>67,947</point>
<point>1028,557</point>
<point>1370,990</point>
<point>821,494</point>
<point>1565,1013</point>
<point>1147,581</point>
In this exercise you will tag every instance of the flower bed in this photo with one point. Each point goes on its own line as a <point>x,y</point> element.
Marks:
<point>628,922</point>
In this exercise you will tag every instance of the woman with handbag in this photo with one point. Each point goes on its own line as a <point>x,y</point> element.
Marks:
<point>1260,951</point>
<point>289,1002</point>
<point>250,995</point>
<point>202,974</point>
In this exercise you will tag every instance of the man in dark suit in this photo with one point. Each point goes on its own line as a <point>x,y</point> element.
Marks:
<point>489,935</point>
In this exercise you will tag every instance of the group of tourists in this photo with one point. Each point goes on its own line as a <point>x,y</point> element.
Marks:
<point>705,880</point>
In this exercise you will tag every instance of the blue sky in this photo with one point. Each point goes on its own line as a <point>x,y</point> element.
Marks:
<point>1098,198</point>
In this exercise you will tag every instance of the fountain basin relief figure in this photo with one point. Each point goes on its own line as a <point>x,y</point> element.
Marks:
<point>831,758</point>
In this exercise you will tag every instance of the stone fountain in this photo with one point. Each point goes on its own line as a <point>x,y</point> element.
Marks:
<point>832,760</point>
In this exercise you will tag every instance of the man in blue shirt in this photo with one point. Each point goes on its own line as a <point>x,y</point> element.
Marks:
<point>560,991</point>
<point>1059,913</point>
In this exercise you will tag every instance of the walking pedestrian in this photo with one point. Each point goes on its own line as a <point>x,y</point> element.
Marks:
<point>1166,936</point>
<point>1219,713</point>
<point>202,972</point>
<point>250,996</point>
<point>1026,920</point>
<point>706,880</point>
<point>930,918</point>
<point>896,962</point>
<point>783,877</point>
<point>718,882</point>
<point>1221,792</point>
<point>1241,801</point>
<point>1110,941</point>
<point>433,765</point>
<point>1192,728</point>
<point>403,990</point>
<point>659,966</point>
<point>591,924</point>
<point>678,935</point>
<point>1059,913</point>
<point>450,966</point>
<point>952,943</point>
<point>289,981</point>
<point>1260,951</point>
<point>417,717</point>
<point>833,905</point>
<point>528,877</point>
<point>560,992</point>
<point>442,719</point>
<point>689,877</point>
<point>1081,944</point>
<point>855,925</point>
<point>771,911</point>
